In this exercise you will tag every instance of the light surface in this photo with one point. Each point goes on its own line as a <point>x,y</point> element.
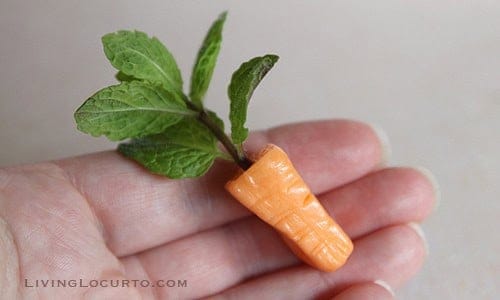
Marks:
<point>428,72</point>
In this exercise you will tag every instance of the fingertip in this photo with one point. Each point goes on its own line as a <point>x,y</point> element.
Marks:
<point>383,139</point>
<point>420,232</point>
<point>431,178</point>
<point>377,290</point>
<point>385,285</point>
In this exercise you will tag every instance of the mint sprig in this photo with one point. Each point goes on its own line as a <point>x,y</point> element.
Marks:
<point>171,134</point>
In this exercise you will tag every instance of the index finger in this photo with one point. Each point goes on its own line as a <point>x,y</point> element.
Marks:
<point>139,210</point>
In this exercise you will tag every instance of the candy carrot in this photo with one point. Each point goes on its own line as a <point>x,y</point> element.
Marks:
<point>273,190</point>
<point>174,135</point>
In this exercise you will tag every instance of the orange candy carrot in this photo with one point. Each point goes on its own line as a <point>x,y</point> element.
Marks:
<point>273,190</point>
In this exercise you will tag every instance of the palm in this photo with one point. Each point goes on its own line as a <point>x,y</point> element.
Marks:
<point>102,216</point>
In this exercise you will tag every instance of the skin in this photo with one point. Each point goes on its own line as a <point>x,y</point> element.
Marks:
<point>102,216</point>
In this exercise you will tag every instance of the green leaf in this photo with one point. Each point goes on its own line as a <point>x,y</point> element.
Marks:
<point>120,76</point>
<point>184,150</point>
<point>137,55</point>
<point>130,109</point>
<point>243,83</point>
<point>206,60</point>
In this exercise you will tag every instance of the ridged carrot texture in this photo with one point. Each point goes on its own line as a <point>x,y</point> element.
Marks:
<point>275,192</point>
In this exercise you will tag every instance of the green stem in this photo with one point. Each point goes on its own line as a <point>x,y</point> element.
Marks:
<point>238,156</point>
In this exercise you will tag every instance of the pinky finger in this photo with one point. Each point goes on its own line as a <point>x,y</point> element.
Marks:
<point>377,290</point>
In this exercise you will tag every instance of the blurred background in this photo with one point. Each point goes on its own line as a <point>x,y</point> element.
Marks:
<point>428,72</point>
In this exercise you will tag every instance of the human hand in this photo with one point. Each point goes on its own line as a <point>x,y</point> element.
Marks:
<point>102,217</point>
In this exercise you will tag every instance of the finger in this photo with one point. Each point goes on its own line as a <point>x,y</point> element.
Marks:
<point>386,197</point>
<point>392,254</point>
<point>367,291</point>
<point>322,151</point>
<point>249,247</point>
<point>139,210</point>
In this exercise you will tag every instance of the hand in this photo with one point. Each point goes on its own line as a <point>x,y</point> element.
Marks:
<point>101,217</point>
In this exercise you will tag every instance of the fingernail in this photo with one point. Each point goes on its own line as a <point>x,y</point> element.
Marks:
<point>384,142</point>
<point>435,186</point>
<point>385,285</point>
<point>420,232</point>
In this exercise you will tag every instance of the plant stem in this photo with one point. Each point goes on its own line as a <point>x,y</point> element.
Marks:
<point>239,157</point>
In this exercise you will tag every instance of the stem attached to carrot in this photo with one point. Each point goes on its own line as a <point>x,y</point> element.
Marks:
<point>275,192</point>
<point>239,157</point>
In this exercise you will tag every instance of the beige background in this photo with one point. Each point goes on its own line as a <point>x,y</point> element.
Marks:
<point>426,71</point>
